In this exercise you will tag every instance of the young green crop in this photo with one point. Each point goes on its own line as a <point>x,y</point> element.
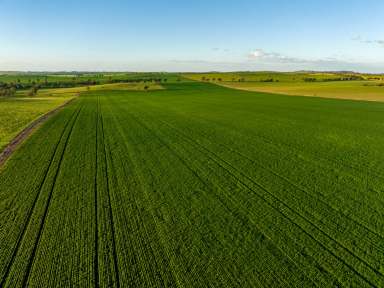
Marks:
<point>197,185</point>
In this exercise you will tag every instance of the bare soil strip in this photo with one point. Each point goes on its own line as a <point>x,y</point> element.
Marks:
<point>27,131</point>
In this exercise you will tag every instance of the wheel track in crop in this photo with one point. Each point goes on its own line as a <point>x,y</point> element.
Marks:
<point>96,247</point>
<point>73,118</point>
<point>143,184</point>
<point>292,210</point>
<point>219,159</point>
<point>41,228</point>
<point>296,186</point>
<point>120,222</point>
<point>115,259</point>
<point>221,188</point>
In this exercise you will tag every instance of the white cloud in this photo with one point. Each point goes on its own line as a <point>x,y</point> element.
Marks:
<point>263,56</point>
<point>257,54</point>
<point>375,41</point>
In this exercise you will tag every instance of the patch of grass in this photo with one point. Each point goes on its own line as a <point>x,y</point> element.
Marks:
<point>17,112</point>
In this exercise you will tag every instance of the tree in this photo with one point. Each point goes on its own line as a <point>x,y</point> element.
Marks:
<point>12,91</point>
<point>33,90</point>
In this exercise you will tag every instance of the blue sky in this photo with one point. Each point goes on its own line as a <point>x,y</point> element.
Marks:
<point>193,35</point>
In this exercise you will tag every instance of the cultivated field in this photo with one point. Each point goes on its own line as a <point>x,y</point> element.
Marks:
<point>197,185</point>
<point>365,87</point>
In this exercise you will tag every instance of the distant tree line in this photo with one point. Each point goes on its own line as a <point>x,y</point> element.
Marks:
<point>138,80</point>
<point>346,78</point>
<point>305,79</point>
<point>237,79</point>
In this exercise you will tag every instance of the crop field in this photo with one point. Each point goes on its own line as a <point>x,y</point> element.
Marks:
<point>197,185</point>
<point>365,87</point>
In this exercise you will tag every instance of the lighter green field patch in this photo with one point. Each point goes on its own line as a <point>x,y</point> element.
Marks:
<point>354,90</point>
<point>17,113</point>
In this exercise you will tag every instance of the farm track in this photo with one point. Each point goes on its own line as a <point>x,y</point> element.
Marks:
<point>128,191</point>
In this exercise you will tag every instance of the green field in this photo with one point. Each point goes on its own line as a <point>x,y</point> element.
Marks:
<point>197,185</point>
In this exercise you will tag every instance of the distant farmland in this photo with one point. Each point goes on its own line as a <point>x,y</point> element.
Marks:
<point>197,185</point>
<point>352,86</point>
